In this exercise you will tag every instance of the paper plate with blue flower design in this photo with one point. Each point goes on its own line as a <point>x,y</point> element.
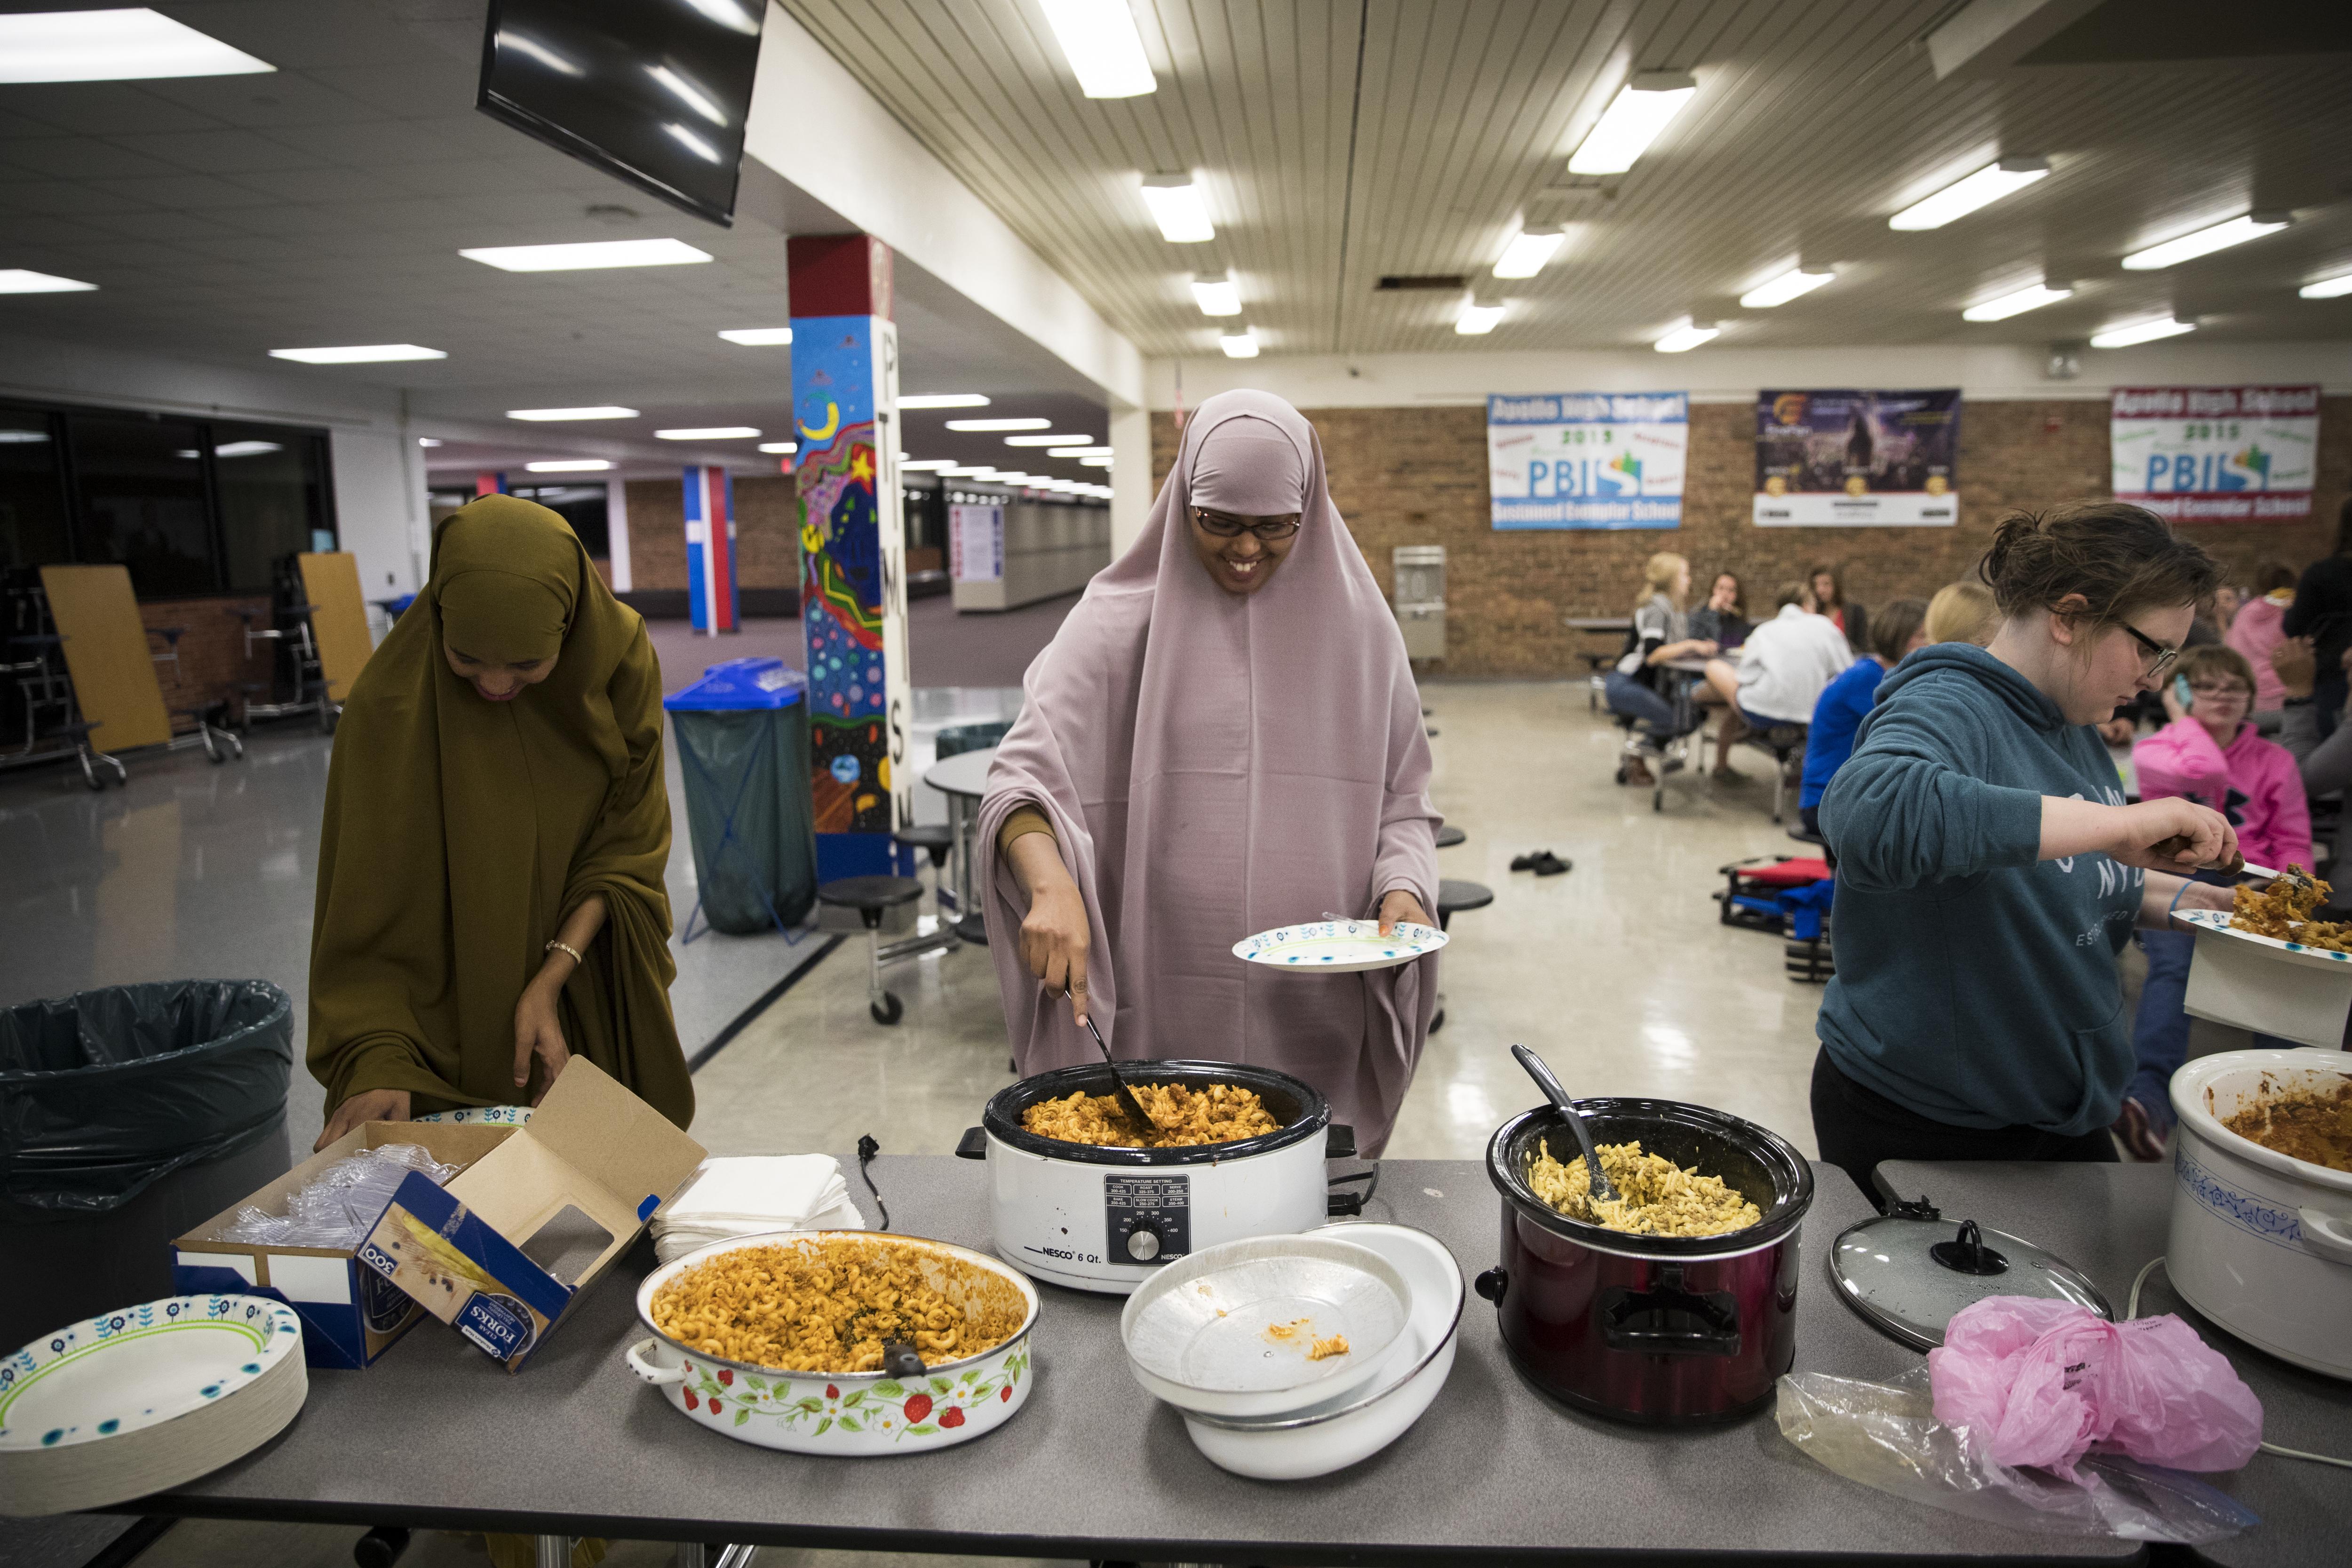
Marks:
<point>121,1370</point>
<point>1339,947</point>
<point>2216,922</point>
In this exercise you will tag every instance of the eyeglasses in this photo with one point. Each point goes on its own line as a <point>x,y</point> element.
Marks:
<point>1223,527</point>
<point>2159,658</point>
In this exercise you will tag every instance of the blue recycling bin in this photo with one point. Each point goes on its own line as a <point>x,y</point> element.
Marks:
<point>744,747</point>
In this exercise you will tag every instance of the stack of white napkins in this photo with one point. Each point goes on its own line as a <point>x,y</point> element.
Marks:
<point>744,1194</point>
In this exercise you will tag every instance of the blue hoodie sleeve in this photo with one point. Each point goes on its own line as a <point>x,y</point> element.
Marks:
<point>1909,807</point>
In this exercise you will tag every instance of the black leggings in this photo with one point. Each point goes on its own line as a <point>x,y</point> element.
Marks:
<point>1857,1128</point>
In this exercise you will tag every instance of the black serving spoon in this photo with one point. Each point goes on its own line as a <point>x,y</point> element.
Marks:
<point>1132,1107</point>
<point>1603,1191</point>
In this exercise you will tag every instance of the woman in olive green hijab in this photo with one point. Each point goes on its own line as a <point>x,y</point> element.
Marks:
<point>490,894</point>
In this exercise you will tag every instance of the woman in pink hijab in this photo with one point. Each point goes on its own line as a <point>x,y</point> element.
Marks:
<point>1224,737</point>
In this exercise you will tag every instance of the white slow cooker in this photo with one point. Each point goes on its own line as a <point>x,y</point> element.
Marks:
<point>1103,1219</point>
<point>2261,1242</point>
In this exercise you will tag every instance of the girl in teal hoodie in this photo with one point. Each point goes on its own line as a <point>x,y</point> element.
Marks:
<point>1989,869</point>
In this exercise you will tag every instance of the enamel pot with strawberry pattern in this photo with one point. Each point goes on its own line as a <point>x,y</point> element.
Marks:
<point>854,1415</point>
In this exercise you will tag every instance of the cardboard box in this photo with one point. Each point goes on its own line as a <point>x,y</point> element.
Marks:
<point>350,1315</point>
<point>502,1252</point>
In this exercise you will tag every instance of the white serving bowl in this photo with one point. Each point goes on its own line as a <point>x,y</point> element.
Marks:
<point>850,1414</point>
<point>1344,1431</point>
<point>2261,1242</point>
<point>1215,1332</point>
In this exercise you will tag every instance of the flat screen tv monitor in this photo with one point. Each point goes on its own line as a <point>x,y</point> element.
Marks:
<point>652,90</point>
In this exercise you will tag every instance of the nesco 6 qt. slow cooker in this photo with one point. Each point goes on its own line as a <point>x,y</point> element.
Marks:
<point>1103,1219</point>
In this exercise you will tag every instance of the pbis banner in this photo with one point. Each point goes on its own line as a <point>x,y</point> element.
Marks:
<point>1588,460</point>
<point>1857,459</point>
<point>2215,453</point>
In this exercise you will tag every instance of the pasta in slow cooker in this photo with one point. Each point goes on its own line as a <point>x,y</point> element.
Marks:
<point>1654,1196</point>
<point>1184,1116</point>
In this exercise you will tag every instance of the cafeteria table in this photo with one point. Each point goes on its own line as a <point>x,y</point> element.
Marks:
<point>435,1436</point>
<point>963,779</point>
<point>2108,1221</point>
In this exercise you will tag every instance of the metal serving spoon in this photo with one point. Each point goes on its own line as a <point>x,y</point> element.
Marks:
<point>1127,1100</point>
<point>1603,1190</point>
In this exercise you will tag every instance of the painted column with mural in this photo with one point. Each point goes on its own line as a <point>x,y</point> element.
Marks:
<point>852,546</point>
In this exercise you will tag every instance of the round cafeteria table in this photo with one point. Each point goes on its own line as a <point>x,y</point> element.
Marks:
<point>1449,836</point>
<point>963,779</point>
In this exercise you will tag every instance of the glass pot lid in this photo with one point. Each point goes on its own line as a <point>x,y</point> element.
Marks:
<point>1909,1271</point>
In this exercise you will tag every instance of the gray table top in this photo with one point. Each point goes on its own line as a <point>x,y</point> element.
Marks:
<point>434,1434</point>
<point>2108,1221</point>
<point>1598,622</point>
<point>965,773</point>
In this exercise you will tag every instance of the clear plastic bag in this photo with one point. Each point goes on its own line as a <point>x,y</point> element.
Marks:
<point>1887,1437</point>
<point>341,1203</point>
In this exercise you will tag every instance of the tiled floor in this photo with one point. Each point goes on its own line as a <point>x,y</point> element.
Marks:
<point>1619,971</point>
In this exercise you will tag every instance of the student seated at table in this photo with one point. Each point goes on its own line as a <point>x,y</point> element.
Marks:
<point>1634,689</point>
<point>1963,611</point>
<point>1784,667</point>
<point>1723,619</point>
<point>2256,630</point>
<point>1895,631</point>
<point>1827,584</point>
<point>2211,754</point>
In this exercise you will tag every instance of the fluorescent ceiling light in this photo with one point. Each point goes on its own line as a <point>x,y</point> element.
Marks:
<point>2327,288</point>
<point>1178,208</point>
<point>1686,337</point>
<point>1079,452</point>
<point>1642,109</point>
<point>1047,441</point>
<point>132,45</point>
<point>687,93</point>
<point>18,280</point>
<point>1099,38</point>
<point>2125,337</point>
<point>359,354</point>
<point>999,424</point>
<point>1784,288</point>
<point>531,47</point>
<point>602,411</point>
<point>1093,462</point>
<point>927,465</point>
<point>1239,346</point>
<point>428,440</point>
<point>780,446</point>
<point>728,14</point>
<point>709,433</point>
<point>1528,250</point>
<point>690,141</point>
<point>2205,241</point>
<point>758,337</point>
<point>239,449</point>
<point>1217,293</point>
<point>2016,304</point>
<point>570,466</point>
<point>1963,196</point>
<point>22,438</point>
<point>1478,317</point>
<point>587,254</point>
<point>944,400</point>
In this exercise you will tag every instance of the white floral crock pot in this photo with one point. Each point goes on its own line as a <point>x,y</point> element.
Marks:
<point>852,1415</point>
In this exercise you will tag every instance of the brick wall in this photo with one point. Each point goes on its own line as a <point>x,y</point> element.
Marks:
<point>767,547</point>
<point>1418,475</point>
<point>212,665</point>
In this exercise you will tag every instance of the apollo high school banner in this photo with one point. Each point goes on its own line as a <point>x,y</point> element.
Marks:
<point>1853,459</point>
<point>2215,453</point>
<point>1588,460</point>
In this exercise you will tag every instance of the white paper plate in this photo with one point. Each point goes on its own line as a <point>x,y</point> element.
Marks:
<point>145,1399</point>
<point>2216,922</point>
<point>1339,947</point>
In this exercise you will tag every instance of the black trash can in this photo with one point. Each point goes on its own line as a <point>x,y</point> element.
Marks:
<point>744,748</point>
<point>128,1115</point>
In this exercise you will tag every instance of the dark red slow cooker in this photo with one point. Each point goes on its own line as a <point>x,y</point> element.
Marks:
<point>1655,1329</point>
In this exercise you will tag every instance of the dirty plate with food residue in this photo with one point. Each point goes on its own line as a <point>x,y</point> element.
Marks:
<point>1266,1325</point>
<point>1337,946</point>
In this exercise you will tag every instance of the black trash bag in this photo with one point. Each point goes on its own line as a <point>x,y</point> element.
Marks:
<point>104,1092</point>
<point>750,815</point>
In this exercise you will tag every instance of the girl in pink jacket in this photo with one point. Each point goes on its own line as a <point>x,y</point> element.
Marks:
<point>2257,630</point>
<point>2210,754</point>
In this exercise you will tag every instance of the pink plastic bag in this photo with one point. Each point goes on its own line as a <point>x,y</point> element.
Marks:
<point>2042,1383</point>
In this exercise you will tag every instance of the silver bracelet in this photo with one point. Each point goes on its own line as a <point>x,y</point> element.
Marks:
<point>555,946</point>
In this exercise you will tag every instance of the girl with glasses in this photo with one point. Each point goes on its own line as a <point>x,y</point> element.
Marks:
<point>1224,736</point>
<point>1990,871</point>
<point>2208,754</point>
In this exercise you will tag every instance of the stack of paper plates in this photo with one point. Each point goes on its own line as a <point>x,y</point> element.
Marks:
<point>145,1399</point>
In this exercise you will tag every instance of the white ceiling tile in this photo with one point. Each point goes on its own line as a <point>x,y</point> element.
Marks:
<point>224,152</point>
